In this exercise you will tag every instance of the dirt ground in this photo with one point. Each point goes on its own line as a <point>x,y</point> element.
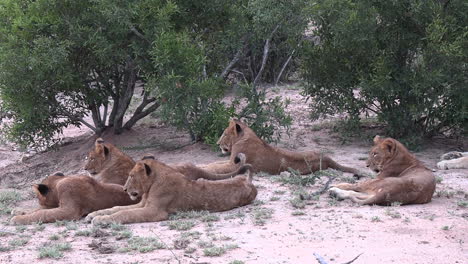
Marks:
<point>276,228</point>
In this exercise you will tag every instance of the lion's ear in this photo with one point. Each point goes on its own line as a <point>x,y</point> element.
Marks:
<point>147,169</point>
<point>106,150</point>
<point>41,188</point>
<point>389,145</point>
<point>377,139</point>
<point>238,129</point>
<point>148,156</point>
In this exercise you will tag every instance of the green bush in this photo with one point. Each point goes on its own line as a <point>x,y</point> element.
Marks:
<point>404,61</point>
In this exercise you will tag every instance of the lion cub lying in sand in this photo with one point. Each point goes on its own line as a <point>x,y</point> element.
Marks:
<point>72,197</point>
<point>110,165</point>
<point>163,190</point>
<point>453,160</point>
<point>239,138</point>
<point>401,178</point>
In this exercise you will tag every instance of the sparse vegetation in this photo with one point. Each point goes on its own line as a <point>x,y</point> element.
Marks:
<point>260,214</point>
<point>18,242</point>
<point>181,225</point>
<point>8,199</point>
<point>53,250</point>
<point>143,244</point>
<point>376,219</point>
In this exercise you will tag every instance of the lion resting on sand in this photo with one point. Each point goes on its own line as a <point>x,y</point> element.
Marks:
<point>238,137</point>
<point>453,160</point>
<point>401,178</point>
<point>163,191</point>
<point>110,165</point>
<point>72,197</point>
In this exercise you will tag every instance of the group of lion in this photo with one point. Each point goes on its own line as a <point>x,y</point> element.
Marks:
<point>124,191</point>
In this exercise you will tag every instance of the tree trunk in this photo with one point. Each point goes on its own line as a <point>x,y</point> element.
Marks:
<point>129,81</point>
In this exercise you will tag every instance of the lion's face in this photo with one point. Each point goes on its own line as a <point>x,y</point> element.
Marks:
<point>380,153</point>
<point>97,157</point>
<point>138,181</point>
<point>230,136</point>
<point>46,190</point>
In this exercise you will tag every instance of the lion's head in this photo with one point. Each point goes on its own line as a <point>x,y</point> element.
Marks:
<point>139,179</point>
<point>46,190</point>
<point>389,154</point>
<point>231,135</point>
<point>97,157</point>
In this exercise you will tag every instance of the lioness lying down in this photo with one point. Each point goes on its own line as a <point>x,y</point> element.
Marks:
<point>110,165</point>
<point>453,160</point>
<point>163,190</point>
<point>72,197</point>
<point>238,137</point>
<point>401,178</point>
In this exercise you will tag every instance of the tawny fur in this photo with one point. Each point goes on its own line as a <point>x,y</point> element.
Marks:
<point>239,138</point>
<point>401,178</point>
<point>72,197</point>
<point>453,160</point>
<point>165,191</point>
<point>108,164</point>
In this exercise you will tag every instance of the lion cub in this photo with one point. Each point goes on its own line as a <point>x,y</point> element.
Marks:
<point>72,197</point>
<point>401,178</point>
<point>110,165</point>
<point>163,190</point>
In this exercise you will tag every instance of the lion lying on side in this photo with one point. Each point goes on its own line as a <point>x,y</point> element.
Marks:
<point>163,191</point>
<point>110,165</point>
<point>401,178</point>
<point>238,137</point>
<point>72,197</point>
<point>453,160</point>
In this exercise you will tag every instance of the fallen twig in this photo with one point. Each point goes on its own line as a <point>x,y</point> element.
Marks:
<point>320,259</point>
<point>351,261</point>
<point>319,192</point>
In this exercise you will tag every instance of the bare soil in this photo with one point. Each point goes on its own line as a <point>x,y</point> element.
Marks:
<point>336,230</point>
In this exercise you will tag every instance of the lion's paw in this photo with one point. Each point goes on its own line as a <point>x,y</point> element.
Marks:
<point>442,165</point>
<point>336,193</point>
<point>89,218</point>
<point>102,219</point>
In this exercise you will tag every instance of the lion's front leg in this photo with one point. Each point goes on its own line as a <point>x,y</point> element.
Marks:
<point>112,210</point>
<point>47,216</point>
<point>137,215</point>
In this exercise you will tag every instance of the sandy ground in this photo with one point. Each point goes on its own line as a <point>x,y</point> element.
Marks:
<point>274,229</point>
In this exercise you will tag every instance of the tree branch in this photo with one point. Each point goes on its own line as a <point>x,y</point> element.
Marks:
<point>235,59</point>
<point>266,50</point>
<point>284,67</point>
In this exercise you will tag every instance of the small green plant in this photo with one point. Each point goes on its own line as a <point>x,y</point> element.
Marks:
<point>214,251</point>
<point>258,202</point>
<point>39,227</point>
<point>8,198</point>
<point>188,215</point>
<point>54,237</point>
<point>297,213</point>
<point>444,193</point>
<point>144,244</point>
<point>19,242</point>
<point>439,179</point>
<point>260,214</point>
<point>278,192</point>
<point>181,225</point>
<point>21,228</point>
<point>274,198</point>
<point>237,262</point>
<point>462,203</point>
<point>53,250</point>
<point>210,218</point>
<point>392,213</point>
<point>376,219</point>
<point>297,203</point>
<point>189,250</point>
<point>83,233</point>
<point>446,228</point>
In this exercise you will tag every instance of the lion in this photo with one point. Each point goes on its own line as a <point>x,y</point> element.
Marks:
<point>453,160</point>
<point>238,137</point>
<point>72,197</point>
<point>401,178</point>
<point>110,165</point>
<point>163,190</point>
